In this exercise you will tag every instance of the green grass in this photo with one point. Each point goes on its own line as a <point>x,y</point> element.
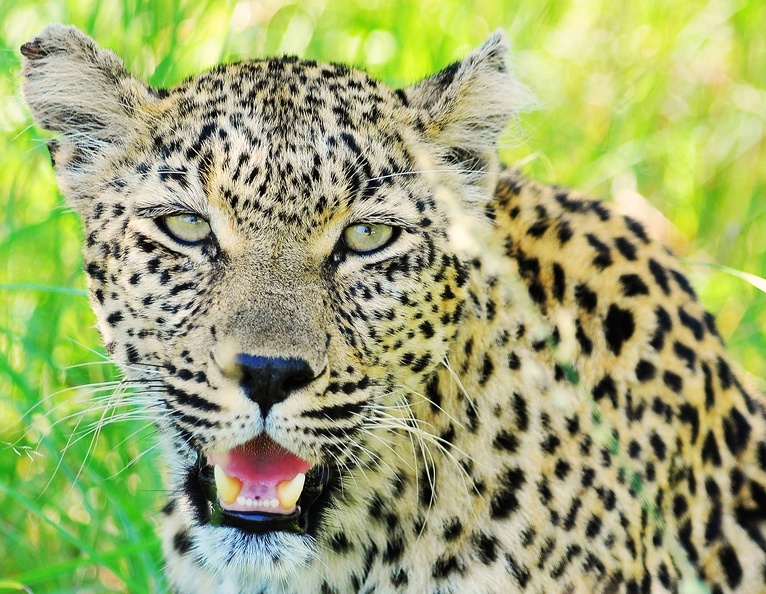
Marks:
<point>647,103</point>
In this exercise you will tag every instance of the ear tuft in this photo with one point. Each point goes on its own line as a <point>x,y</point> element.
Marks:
<point>78,89</point>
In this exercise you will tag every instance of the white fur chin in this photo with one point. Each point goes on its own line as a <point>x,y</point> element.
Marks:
<point>254,560</point>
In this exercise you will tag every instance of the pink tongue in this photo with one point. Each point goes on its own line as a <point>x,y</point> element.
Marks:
<point>260,461</point>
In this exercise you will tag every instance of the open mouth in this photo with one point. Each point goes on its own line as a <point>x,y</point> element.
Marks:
<point>260,486</point>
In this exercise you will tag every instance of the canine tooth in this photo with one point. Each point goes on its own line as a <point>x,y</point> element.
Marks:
<point>229,487</point>
<point>289,491</point>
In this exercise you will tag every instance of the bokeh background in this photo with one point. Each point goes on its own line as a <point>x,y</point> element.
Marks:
<point>659,106</point>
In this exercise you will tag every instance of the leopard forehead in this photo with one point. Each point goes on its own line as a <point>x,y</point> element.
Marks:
<point>279,141</point>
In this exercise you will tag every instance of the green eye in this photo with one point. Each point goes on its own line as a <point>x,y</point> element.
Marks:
<point>186,228</point>
<point>365,238</point>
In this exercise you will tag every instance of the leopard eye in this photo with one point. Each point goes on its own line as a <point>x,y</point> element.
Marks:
<point>366,238</point>
<point>186,228</point>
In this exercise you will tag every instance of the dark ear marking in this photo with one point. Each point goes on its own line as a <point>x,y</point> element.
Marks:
<point>33,50</point>
<point>53,147</point>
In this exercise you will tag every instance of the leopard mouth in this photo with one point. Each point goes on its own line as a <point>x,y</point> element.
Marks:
<point>262,487</point>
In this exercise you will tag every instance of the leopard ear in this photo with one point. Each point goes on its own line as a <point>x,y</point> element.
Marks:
<point>468,104</point>
<point>79,90</point>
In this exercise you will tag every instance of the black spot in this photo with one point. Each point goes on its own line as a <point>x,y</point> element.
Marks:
<point>433,395</point>
<point>486,370</point>
<point>737,480</point>
<point>506,441</point>
<point>603,257</point>
<point>606,387</point>
<point>585,298</point>
<point>425,492</point>
<point>182,542</point>
<point>626,248</point>
<point>593,564</point>
<point>636,228</point>
<point>664,575</point>
<point>486,548</point>
<point>571,518</point>
<point>731,566</point>
<point>539,227</point>
<point>537,292</point>
<point>660,276</point>
<point>710,324</point>
<point>95,272</point>
<point>559,283</point>
<point>673,381</point>
<point>564,232</point>
<point>724,374</point>
<point>709,391</point>
<point>529,268</point>
<point>714,523</point>
<point>710,451</point>
<point>394,547</point>
<point>664,325</point>
<point>697,327</point>
<point>586,344</point>
<point>619,326</point>
<point>399,578</point>
<point>452,529</point>
<point>445,566</point>
<point>632,285</point>
<point>427,329</point>
<point>504,501</point>
<point>761,455</point>
<point>645,371</point>
<point>680,506</point>
<point>519,406</point>
<point>519,572</point>
<point>658,445</point>
<point>685,538</point>
<point>562,469</point>
<point>593,527</point>
<point>114,317</point>
<point>550,444</point>
<point>339,543</point>
<point>736,431</point>
<point>132,353</point>
<point>688,414</point>
<point>545,552</point>
<point>683,283</point>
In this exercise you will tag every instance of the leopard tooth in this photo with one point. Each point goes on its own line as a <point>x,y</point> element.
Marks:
<point>229,487</point>
<point>288,492</point>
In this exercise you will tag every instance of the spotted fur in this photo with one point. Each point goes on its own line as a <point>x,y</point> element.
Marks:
<point>519,393</point>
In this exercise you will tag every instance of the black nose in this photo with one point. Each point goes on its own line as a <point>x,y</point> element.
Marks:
<point>269,380</point>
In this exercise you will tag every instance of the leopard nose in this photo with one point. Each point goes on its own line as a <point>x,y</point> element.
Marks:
<point>270,380</point>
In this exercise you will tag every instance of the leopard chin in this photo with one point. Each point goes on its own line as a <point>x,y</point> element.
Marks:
<point>253,557</point>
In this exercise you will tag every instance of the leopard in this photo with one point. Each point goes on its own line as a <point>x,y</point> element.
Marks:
<point>381,360</point>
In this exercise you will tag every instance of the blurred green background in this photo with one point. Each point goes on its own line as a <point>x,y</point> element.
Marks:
<point>660,106</point>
